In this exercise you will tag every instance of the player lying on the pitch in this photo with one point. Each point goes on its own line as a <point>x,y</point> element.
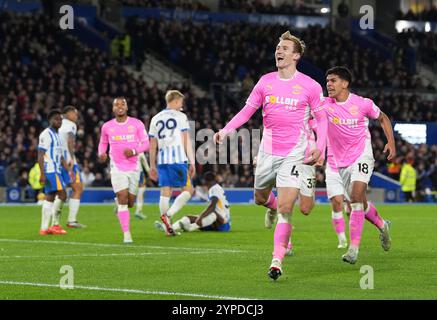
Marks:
<point>216,217</point>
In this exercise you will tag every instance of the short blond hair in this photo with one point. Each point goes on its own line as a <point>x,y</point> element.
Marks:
<point>299,45</point>
<point>172,95</point>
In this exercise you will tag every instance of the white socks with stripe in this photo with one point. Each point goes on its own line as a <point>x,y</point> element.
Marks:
<point>74,208</point>
<point>47,214</point>
<point>164,203</point>
<point>58,204</point>
<point>140,199</point>
<point>179,202</point>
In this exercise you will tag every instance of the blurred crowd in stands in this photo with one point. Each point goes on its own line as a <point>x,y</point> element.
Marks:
<point>246,6</point>
<point>424,44</point>
<point>423,15</point>
<point>192,5</point>
<point>42,68</point>
<point>268,7</point>
<point>242,50</point>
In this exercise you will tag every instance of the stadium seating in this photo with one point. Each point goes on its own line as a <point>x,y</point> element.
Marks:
<point>228,52</point>
<point>89,79</point>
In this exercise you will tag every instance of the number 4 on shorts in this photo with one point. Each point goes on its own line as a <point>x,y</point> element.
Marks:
<point>294,172</point>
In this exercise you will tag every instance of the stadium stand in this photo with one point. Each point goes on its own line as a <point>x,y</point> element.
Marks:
<point>167,4</point>
<point>424,15</point>
<point>232,53</point>
<point>257,6</point>
<point>423,43</point>
<point>89,79</point>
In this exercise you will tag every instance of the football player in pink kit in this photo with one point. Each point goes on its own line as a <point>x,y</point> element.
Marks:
<point>336,195</point>
<point>127,139</point>
<point>287,97</point>
<point>348,117</point>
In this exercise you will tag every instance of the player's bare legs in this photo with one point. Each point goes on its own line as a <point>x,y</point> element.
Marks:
<point>131,200</point>
<point>286,199</point>
<point>306,204</point>
<point>338,220</point>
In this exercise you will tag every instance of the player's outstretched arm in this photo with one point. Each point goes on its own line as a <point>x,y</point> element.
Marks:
<point>390,147</point>
<point>237,121</point>
<point>152,153</point>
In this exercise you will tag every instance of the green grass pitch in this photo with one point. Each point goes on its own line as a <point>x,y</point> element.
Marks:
<point>207,265</point>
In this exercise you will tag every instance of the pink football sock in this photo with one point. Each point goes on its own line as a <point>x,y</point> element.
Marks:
<point>373,216</point>
<point>124,217</point>
<point>338,224</point>
<point>356,223</point>
<point>271,202</point>
<point>281,240</point>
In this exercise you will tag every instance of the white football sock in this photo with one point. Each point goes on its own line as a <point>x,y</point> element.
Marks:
<point>179,202</point>
<point>74,208</point>
<point>57,208</point>
<point>181,224</point>
<point>140,199</point>
<point>192,227</point>
<point>47,213</point>
<point>164,203</point>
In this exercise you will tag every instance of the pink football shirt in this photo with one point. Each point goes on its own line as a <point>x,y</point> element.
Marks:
<point>130,134</point>
<point>286,106</point>
<point>348,127</point>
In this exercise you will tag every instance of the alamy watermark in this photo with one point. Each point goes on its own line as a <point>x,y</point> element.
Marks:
<point>67,279</point>
<point>367,280</point>
<point>367,21</point>
<point>67,20</point>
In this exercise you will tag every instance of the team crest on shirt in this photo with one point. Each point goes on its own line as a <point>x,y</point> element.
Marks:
<point>131,128</point>
<point>111,130</point>
<point>269,86</point>
<point>331,109</point>
<point>353,110</point>
<point>297,89</point>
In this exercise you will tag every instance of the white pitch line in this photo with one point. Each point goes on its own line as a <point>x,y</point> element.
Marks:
<point>133,254</point>
<point>119,245</point>
<point>145,292</point>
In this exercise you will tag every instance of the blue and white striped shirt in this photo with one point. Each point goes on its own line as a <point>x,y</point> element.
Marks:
<point>50,143</point>
<point>167,127</point>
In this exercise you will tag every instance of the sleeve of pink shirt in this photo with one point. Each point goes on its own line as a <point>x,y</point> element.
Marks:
<point>103,143</point>
<point>371,109</point>
<point>254,101</point>
<point>143,138</point>
<point>316,100</point>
